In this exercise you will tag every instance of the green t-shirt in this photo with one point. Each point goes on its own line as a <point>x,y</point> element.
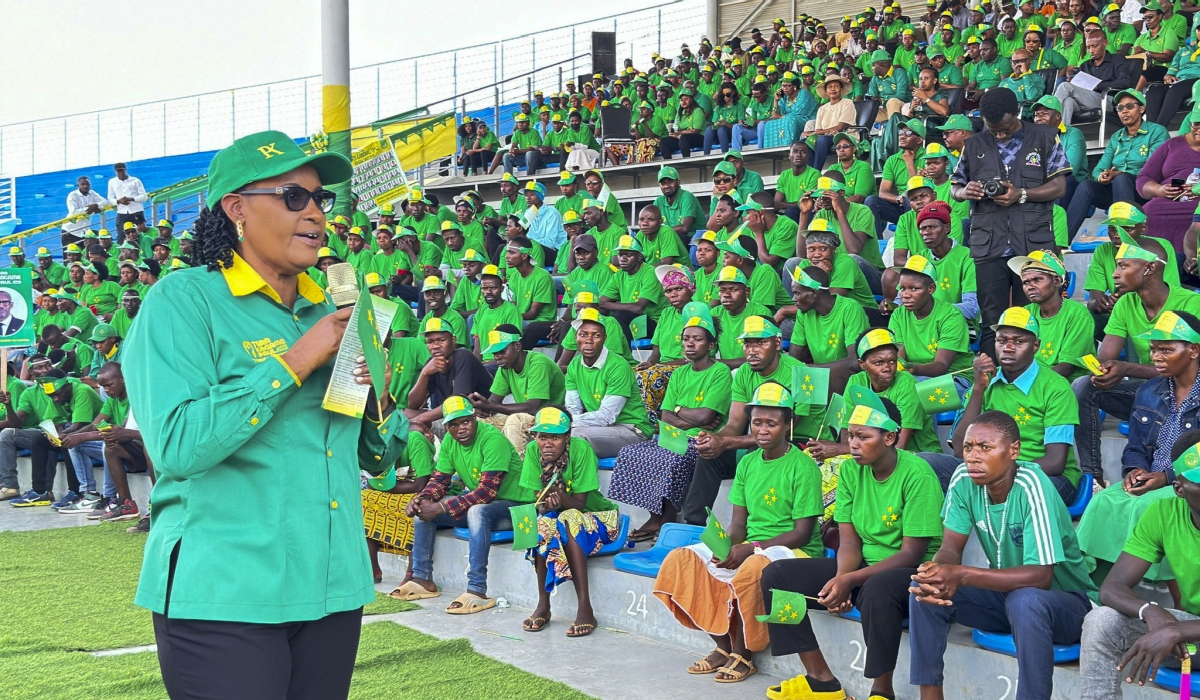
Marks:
<point>631,288</point>
<point>861,220</point>
<point>610,376</point>
<point>1166,531</point>
<point>451,319</point>
<point>847,275</point>
<point>43,318</point>
<point>746,380</point>
<point>827,337</point>
<point>467,297</point>
<point>407,356</point>
<point>896,170</point>
<point>489,452</point>
<point>487,318</point>
<point>526,139</point>
<point>614,340</point>
<point>607,240</point>
<point>944,328</point>
<point>1032,509</point>
<point>82,319</point>
<point>105,298</point>
<point>1104,263</point>
<point>85,404</point>
<point>961,210</point>
<point>776,493</point>
<point>668,335</point>
<point>766,287</point>
<point>906,504</point>
<point>116,409</point>
<point>955,273</point>
<point>666,244</point>
<point>729,327</point>
<point>781,239</point>
<point>1066,336</point>
<point>859,179</point>
<point>989,75</point>
<point>794,185</point>
<point>903,393</point>
<point>711,389</point>
<point>600,274</point>
<point>385,265</point>
<point>540,378</point>
<point>685,205</point>
<point>581,475</point>
<point>706,287</point>
<point>1046,411</point>
<point>537,287</point>
<point>1128,319</point>
<point>1125,34</point>
<point>572,203</point>
<point>16,388</point>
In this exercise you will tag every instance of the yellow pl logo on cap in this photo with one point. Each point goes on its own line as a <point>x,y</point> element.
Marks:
<point>879,336</point>
<point>770,393</point>
<point>861,415</point>
<point>455,403</point>
<point>754,324</point>
<point>495,337</point>
<point>1017,316</point>
<point>1167,322</point>
<point>269,151</point>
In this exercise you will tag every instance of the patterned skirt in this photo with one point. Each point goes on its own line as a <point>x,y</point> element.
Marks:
<point>652,382</point>
<point>591,531</point>
<point>646,150</point>
<point>385,521</point>
<point>645,474</point>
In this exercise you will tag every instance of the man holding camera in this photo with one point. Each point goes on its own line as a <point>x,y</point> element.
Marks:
<point>1011,172</point>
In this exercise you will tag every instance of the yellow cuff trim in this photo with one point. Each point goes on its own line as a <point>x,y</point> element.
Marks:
<point>289,369</point>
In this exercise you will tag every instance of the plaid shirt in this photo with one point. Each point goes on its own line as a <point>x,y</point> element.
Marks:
<point>457,506</point>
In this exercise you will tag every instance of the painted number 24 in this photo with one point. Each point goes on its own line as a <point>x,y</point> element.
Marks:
<point>636,604</point>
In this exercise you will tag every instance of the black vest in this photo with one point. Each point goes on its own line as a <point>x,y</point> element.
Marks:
<point>1023,227</point>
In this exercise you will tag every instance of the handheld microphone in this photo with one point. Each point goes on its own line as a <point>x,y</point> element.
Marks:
<point>343,284</point>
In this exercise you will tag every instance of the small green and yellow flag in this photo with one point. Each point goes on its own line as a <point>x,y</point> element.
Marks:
<point>938,395</point>
<point>372,348</point>
<point>787,608</point>
<point>714,537</point>
<point>638,327</point>
<point>836,413</point>
<point>810,385</point>
<point>671,438</point>
<point>525,528</point>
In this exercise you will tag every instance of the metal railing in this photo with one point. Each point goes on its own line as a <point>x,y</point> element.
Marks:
<point>212,120</point>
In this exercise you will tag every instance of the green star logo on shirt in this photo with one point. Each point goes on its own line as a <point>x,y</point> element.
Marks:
<point>932,346</point>
<point>770,498</point>
<point>1047,350</point>
<point>1144,150</point>
<point>596,396</point>
<point>833,340</point>
<point>890,517</point>
<point>700,396</point>
<point>475,473</point>
<point>1023,416</point>
<point>946,283</point>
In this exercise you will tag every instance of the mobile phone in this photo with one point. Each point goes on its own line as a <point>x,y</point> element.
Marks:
<point>1177,182</point>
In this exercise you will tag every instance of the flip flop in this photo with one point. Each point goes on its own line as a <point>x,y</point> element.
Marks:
<point>469,604</point>
<point>534,624</point>
<point>640,535</point>
<point>580,629</point>
<point>411,590</point>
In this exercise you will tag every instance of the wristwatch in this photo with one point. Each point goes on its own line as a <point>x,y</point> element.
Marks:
<point>1024,196</point>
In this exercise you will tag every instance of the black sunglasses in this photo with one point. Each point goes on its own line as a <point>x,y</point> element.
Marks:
<point>296,198</point>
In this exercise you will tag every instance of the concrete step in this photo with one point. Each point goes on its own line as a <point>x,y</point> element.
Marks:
<point>626,602</point>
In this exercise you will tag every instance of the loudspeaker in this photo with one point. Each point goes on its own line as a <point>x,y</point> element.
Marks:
<point>604,53</point>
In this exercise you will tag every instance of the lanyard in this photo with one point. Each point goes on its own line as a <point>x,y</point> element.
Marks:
<point>987,520</point>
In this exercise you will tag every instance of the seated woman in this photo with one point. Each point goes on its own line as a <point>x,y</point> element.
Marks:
<point>776,499</point>
<point>574,519</point>
<point>666,353</point>
<point>794,106</point>
<point>728,108</point>
<point>928,96</point>
<point>689,125</point>
<point>889,520</point>
<point>1164,99</point>
<point>833,117</point>
<point>388,526</point>
<point>698,397</point>
<point>1170,214</point>
<point>481,152</point>
<point>1163,409</point>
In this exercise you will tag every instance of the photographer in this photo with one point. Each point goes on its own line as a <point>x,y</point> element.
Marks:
<point>1010,162</point>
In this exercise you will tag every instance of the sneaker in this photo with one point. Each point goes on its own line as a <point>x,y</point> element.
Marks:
<point>102,507</point>
<point>86,503</point>
<point>143,526</point>
<point>123,511</point>
<point>33,498</point>
<point>7,494</point>
<point>66,500</point>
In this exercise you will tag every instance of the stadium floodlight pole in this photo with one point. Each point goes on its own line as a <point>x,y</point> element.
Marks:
<point>335,86</point>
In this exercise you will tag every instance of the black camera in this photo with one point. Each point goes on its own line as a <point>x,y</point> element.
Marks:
<point>993,188</point>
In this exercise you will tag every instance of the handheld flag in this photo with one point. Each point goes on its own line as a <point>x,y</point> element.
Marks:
<point>1091,364</point>
<point>938,395</point>
<point>372,348</point>
<point>638,327</point>
<point>810,385</point>
<point>672,438</point>
<point>715,538</point>
<point>836,413</point>
<point>787,608</point>
<point>524,520</point>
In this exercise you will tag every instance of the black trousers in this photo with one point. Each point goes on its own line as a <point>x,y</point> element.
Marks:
<point>626,317</point>
<point>686,143</point>
<point>1163,101</point>
<point>43,462</point>
<point>882,602</point>
<point>204,659</point>
<point>706,484</point>
<point>479,162</point>
<point>535,331</point>
<point>999,289</point>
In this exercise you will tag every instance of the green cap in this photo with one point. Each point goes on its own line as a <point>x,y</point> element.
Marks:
<point>758,327</point>
<point>958,122</point>
<point>1152,5</point>
<point>934,53</point>
<point>385,481</point>
<point>750,206</point>
<point>433,324</point>
<point>51,386</point>
<point>871,417</point>
<point>265,155</point>
<point>498,340</point>
<point>771,394</point>
<point>725,167</point>
<point>732,245</point>
<point>1135,94</point>
<point>566,177</point>
<point>823,226</point>
<point>918,263</point>
<point>432,282</point>
<point>828,183</point>
<point>733,154</point>
<point>629,243</point>
<point>731,274</point>
<point>881,55</point>
<point>103,331</point>
<point>1019,317</point>
<point>876,338</point>
<point>127,246</point>
<point>667,173</point>
<point>697,315</point>
<point>916,126</point>
<point>936,150</point>
<point>187,236</point>
<point>1124,214</point>
<point>1188,464</point>
<point>551,420</point>
<point>1170,326</point>
<point>1050,102</point>
<point>456,407</point>
<point>916,182</point>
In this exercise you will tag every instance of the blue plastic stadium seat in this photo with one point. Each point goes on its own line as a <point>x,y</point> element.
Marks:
<point>882,245</point>
<point>1086,246</point>
<point>1070,284</point>
<point>855,615</point>
<point>543,343</point>
<point>1123,428</point>
<point>608,463</point>
<point>647,563</point>
<point>1169,678</point>
<point>617,544</point>
<point>1083,496</point>
<point>498,536</point>
<point>944,418</point>
<point>786,345</point>
<point>643,344</point>
<point>1004,644</point>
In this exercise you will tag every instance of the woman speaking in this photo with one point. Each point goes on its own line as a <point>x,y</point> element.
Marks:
<point>255,568</point>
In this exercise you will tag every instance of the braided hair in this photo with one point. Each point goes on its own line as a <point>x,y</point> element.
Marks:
<point>215,237</point>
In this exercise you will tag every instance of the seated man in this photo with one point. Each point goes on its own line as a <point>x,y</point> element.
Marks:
<point>532,291</point>
<point>493,311</point>
<point>888,206</point>
<point>467,295</point>
<point>70,405</point>
<point>1101,65</point>
<point>588,297</point>
<point>660,245</point>
<point>433,289</point>
<point>764,282</point>
<point>1130,638</point>
<point>1143,297</point>
<point>795,182</point>
<point>774,235</point>
<point>952,261</point>
<point>531,378</point>
<point>855,221</point>
<point>602,394</point>
<point>931,333</point>
<point>451,371</point>
<point>826,327</point>
<point>1127,218</point>
<point>606,233</point>
<point>525,144</point>
<point>490,472</point>
<point>1040,400</point>
<point>820,244</point>
<point>679,208</point>
<point>1036,589</point>
<point>747,182</point>
<point>633,290</point>
<point>729,315</point>
<point>1064,323</point>
<point>765,362</point>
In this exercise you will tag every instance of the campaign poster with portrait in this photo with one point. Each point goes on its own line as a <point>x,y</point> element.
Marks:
<point>16,308</point>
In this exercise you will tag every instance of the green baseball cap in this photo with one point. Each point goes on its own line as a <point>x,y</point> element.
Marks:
<point>802,278</point>
<point>667,173</point>
<point>472,255</point>
<point>385,481</point>
<point>1135,94</point>
<point>187,236</point>
<point>750,206</point>
<point>566,177</point>
<point>725,167</point>
<point>1050,102</point>
<point>732,245</point>
<point>881,55</point>
<point>498,340</point>
<point>936,150</point>
<point>919,264</point>
<point>433,324</point>
<point>1170,326</point>
<point>958,122</point>
<point>696,314</point>
<point>758,327</point>
<point>103,331</point>
<point>265,155</point>
<point>629,243</point>
<point>871,417</point>
<point>1186,467</point>
<point>1124,214</point>
<point>456,407</point>
<point>432,282</point>
<point>916,126</point>
<point>828,183</point>
<point>773,395</point>
<point>934,53</point>
<point>733,154</point>
<point>551,420</point>
<point>1018,317</point>
<point>876,338</point>
<point>916,182</point>
<point>731,274</point>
